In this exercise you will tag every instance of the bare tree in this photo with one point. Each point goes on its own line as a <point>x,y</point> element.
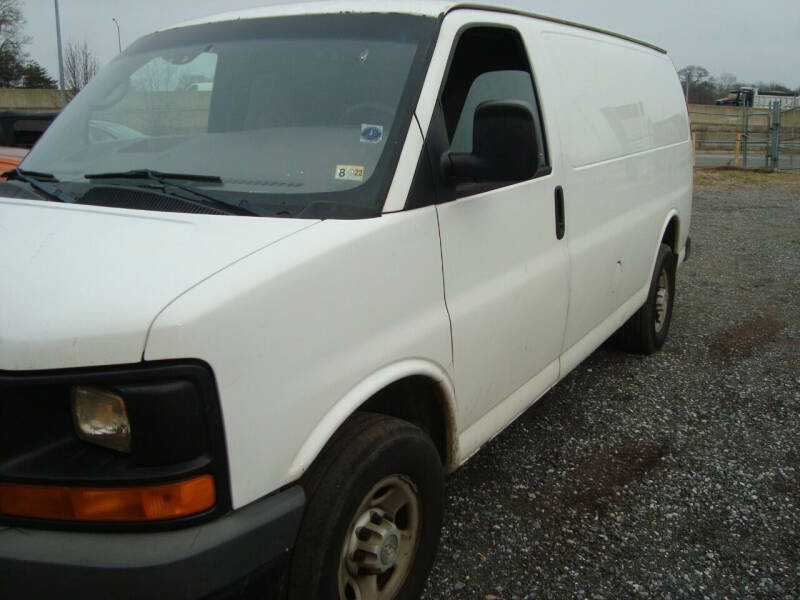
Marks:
<point>691,76</point>
<point>11,22</point>
<point>726,82</point>
<point>12,40</point>
<point>80,65</point>
<point>156,79</point>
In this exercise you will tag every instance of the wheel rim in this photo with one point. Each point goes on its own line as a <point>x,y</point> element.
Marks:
<point>381,541</point>
<point>662,300</point>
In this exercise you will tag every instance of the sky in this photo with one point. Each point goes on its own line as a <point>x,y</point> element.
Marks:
<point>755,42</point>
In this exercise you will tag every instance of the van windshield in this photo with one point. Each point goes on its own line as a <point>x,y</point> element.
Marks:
<point>296,116</point>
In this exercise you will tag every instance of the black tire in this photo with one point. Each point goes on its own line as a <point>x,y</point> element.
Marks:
<point>368,450</point>
<point>646,331</point>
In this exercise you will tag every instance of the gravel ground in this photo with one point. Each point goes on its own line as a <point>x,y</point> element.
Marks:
<point>670,476</point>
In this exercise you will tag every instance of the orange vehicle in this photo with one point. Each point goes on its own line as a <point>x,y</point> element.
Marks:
<point>10,158</point>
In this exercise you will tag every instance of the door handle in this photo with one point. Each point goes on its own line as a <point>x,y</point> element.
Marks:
<point>561,224</point>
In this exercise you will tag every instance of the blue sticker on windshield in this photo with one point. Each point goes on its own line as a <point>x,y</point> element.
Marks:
<point>371,134</point>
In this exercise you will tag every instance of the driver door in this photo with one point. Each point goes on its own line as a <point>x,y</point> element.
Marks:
<point>505,268</point>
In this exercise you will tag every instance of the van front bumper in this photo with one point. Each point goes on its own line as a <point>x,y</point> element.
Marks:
<point>216,558</point>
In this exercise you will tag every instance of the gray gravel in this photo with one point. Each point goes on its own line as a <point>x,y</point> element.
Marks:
<point>670,476</point>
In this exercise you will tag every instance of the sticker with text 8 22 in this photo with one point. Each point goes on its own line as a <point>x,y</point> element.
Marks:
<point>349,172</point>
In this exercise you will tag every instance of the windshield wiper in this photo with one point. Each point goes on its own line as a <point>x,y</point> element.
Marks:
<point>210,199</point>
<point>32,179</point>
<point>38,175</point>
<point>154,175</point>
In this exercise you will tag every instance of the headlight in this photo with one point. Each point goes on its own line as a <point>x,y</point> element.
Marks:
<point>67,450</point>
<point>101,418</point>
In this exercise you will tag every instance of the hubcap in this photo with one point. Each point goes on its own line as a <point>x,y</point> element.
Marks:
<point>374,542</point>
<point>381,541</point>
<point>662,300</point>
<point>389,552</point>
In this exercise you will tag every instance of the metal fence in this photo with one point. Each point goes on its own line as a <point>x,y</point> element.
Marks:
<point>748,137</point>
<point>787,137</point>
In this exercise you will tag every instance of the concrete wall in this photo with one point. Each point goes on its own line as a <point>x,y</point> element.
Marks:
<point>31,100</point>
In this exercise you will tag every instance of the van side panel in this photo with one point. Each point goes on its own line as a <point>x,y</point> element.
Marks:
<point>627,155</point>
<point>619,99</point>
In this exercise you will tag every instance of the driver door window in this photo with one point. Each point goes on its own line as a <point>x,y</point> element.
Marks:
<point>496,85</point>
<point>488,63</point>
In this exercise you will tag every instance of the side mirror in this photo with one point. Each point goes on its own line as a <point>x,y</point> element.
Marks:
<point>503,145</point>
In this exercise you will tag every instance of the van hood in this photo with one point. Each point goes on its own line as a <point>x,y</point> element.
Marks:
<point>81,285</point>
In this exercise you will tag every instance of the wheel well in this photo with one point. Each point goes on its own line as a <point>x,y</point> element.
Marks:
<point>670,237</point>
<point>418,400</point>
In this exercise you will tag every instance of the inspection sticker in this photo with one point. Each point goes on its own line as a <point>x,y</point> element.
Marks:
<point>349,172</point>
<point>371,134</point>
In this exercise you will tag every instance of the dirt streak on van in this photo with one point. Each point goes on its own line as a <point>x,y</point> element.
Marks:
<point>273,273</point>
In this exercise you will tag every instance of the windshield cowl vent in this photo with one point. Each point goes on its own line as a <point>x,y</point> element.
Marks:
<point>116,197</point>
<point>9,189</point>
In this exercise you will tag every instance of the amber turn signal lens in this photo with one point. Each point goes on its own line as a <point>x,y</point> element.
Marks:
<point>146,503</point>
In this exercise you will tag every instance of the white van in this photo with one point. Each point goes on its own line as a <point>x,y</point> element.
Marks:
<point>243,345</point>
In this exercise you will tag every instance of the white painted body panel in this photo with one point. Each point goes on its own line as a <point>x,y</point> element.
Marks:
<point>506,277</point>
<point>293,330</point>
<point>82,284</point>
<point>622,183</point>
<point>429,8</point>
<point>627,159</point>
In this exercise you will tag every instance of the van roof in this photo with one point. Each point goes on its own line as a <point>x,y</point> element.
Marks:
<point>430,8</point>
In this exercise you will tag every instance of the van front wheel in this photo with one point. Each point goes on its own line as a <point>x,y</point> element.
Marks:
<point>646,331</point>
<point>373,515</point>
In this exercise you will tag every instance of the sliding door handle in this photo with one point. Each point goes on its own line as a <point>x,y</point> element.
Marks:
<point>561,224</point>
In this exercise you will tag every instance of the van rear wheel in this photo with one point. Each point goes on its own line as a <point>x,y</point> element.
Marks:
<point>646,331</point>
<point>373,514</point>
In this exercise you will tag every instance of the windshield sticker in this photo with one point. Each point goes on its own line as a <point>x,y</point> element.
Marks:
<point>349,173</point>
<point>371,134</point>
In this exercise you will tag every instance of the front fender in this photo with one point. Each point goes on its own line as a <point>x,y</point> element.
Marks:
<point>367,388</point>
